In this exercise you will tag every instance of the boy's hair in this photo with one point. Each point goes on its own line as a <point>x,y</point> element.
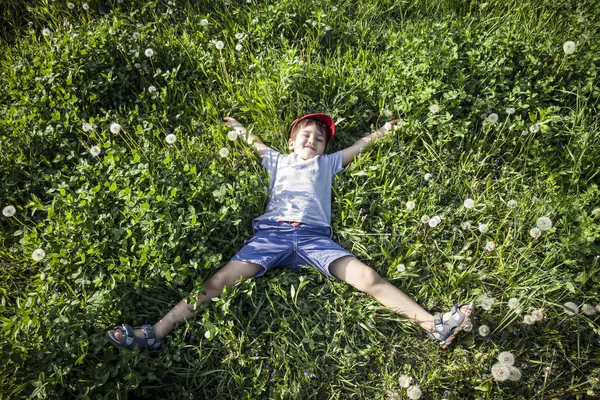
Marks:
<point>323,129</point>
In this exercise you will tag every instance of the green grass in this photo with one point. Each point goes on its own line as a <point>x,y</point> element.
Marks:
<point>128,233</point>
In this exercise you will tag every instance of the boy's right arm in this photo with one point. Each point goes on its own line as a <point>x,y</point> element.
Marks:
<point>257,145</point>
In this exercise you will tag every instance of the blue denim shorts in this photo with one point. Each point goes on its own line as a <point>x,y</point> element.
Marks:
<point>281,244</point>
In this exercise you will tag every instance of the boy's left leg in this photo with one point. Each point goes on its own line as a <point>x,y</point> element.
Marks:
<point>365,279</point>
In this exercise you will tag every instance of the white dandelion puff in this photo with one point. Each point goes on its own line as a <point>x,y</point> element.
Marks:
<point>401,268</point>
<point>486,302</point>
<point>224,152</point>
<point>535,233</point>
<point>469,203</point>
<point>466,225</point>
<point>425,219</point>
<point>513,303</point>
<point>514,374</point>
<point>569,47</point>
<point>232,135</point>
<point>137,65</point>
<point>484,330</point>
<point>387,113</point>
<point>9,211</point>
<point>490,246</point>
<point>571,308</point>
<point>511,204</point>
<point>71,5</point>
<point>151,89</point>
<point>506,358</point>
<point>115,128</point>
<point>598,307</point>
<point>510,110</point>
<point>535,128</point>
<point>239,47</point>
<point>240,36</point>
<point>434,221</point>
<point>528,319</point>
<point>46,32</point>
<point>170,138</point>
<point>38,255</point>
<point>500,372</point>
<point>414,392</point>
<point>86,127</point>
<point>434,108</point>
<point>427,176</point>
<point>537,315</point>
<point>483,228</point>
<point>405,381</point>
<point>95,151</point>
<point>219,44</point>
<point>410,205</point>
<point>493,117</point>
<point>149,52</point>
<point>85,6</point>
<point>136,35</point>
<point>468,327</point>
<point>204,22</point>
<point>544,223</point>
<point>596,211</point>
<point>588,309</point>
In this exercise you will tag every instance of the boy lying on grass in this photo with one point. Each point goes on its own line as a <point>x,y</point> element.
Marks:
<point>295,230</point>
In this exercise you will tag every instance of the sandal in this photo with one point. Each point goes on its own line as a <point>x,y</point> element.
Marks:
<point>446,329</point>
<point>129,341</point>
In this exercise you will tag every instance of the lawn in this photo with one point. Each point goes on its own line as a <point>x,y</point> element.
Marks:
<point>122,192</point>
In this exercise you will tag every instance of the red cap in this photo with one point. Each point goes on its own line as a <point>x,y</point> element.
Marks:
<point>323,118</point>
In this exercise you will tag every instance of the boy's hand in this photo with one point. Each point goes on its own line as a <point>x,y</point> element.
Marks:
<point>231,122</point>
<point>387,127</point>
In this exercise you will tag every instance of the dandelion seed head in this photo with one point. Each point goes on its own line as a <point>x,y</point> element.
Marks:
<point>410,205</point>
<point>469,203</point>
<point>71,5</point>
<point>535,233</point>
<point>95,151</point>
<point>484,330</point>
<point>433,222</point>
<point>204,22</point>
<point>466,225</point>
<point>232,135</point>
<point>544,223</point>
<point>511,204</point>
<point>135,35</point>
<point>239,47</point>
<point>240,36</point>
<point>414,392</point>
<point>506,358</point>
<point>86,127</point>
<point>434,108</point>
<point>85,6</point>
<point>596,211</point>
<point>401,268</point>
<point>513,303</point>
<point>387,113</point>
<point>38,255</point>
<point>405,381</point>
<point>46,32</point>
<point>224,152</point>
<point>490,246</point>
<point>500,372</point>
<point>427,176</point>
<point>9,211</point>
<point>569,47</point>
<point>468,326</point>
<point>571,308</point>
<point>425,219</point>
<point>514,374</point>
<point>510,110</point>
<point>493,117</point>
<point>483,228</point>
<point>528,319</point>
<point>171,138</point>
<point>219,44</point>
<point>151,89</point>
<point>115,128</point>
<point>137,65</point>
<point>588,309</point>
<point>537,315</point>
<point>535,128</point>
<point>149,52</point>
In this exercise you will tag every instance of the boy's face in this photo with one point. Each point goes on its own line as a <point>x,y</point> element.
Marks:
<point>309,142</point>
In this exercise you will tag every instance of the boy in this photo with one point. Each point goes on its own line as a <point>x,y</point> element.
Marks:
<point>295,230</point>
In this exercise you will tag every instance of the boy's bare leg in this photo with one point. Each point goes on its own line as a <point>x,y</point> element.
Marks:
<point>225,277</point>
<point>365,279</point>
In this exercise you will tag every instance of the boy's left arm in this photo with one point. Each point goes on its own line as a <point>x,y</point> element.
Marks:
<point>360,145</point>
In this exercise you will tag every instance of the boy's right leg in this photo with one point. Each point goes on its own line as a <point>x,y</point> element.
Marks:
<point>225,277</point>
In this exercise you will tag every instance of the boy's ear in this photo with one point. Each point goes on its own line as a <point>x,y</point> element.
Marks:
<point>291,143</point>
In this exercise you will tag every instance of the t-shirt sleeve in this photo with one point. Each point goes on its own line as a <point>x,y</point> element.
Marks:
<point>269,161</point>
<point>335,162</point>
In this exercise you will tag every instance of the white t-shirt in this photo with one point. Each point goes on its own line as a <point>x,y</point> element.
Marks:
<point>300,189</point>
